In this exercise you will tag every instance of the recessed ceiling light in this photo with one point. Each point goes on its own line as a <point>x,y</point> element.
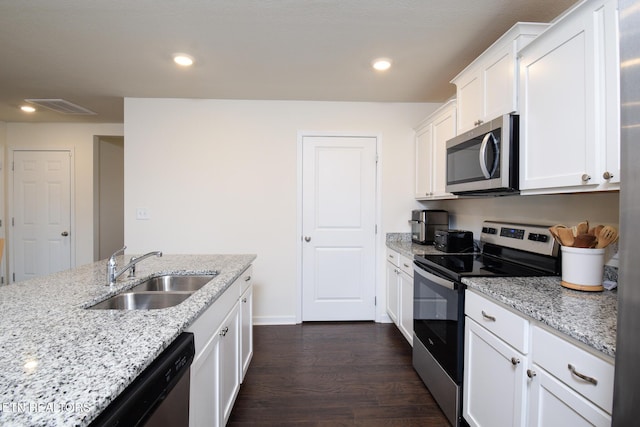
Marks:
<point>183,59</point>
<point>27,109</point>
<point>381,64</point>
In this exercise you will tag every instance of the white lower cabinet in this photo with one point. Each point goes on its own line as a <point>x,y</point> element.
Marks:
<point>246,322</point>
<point>405,286</point>
<point>518,373</point>
<point>222,350</point>
<point>568,383</point>
<point>494,386</point>
<point>553,403</point>
<point>400,293</point>
<point>393,301</point>
<point>229,363</point>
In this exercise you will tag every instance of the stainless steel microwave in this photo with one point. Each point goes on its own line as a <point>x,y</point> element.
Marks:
<point>484,160</point>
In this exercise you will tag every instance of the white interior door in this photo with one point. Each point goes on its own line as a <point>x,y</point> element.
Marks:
<point>41,213</point>
<point>338,223</point>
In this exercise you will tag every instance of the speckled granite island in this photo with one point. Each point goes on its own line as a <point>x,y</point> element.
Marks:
<point>589,317</point>
<point>61,364</point>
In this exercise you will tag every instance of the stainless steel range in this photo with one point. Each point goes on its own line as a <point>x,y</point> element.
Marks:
<point>508,250</point>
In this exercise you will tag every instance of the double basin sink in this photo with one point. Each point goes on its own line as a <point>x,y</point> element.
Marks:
<point>157,292</point>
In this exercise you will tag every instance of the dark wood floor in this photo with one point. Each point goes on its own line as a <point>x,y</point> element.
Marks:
<point>333,374</point>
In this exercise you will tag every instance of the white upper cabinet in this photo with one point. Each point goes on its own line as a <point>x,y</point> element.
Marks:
<point>569,103</point>
<point>488,87</point>
<point>431,152</point>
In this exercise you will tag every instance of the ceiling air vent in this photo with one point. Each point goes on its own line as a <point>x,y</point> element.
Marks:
<point>61,106</point>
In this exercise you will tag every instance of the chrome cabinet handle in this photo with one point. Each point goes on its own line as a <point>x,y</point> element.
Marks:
<point>607,175</point>
<point>246,279</point>
<point>244,300</point>
<point>307,238</point>
<point>531,373</point>
<point>405,264</point>
<point>515,361</point>
<point>582,376</point>
<point>585,177</point>
<point>478,122</point>
<point>488,317</point>
<point>64,233</point>
<point>224,331</point>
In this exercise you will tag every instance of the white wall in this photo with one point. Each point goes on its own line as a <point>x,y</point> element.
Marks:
<point>569,209</point>
<point>80,138</point>
<point>219,176</point>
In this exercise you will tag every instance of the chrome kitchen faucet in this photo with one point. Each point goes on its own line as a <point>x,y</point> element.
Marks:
<point>113,274</point>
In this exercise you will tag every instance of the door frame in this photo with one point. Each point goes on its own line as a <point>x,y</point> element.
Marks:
<point>9,247</point>
<point>299,225</point>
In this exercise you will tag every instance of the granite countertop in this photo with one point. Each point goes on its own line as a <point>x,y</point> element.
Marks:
<point>589,317</point>
<point>401,243</point>
<point>61,364</point>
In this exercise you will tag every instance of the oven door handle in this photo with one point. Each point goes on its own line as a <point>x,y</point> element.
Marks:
<point>436,279</point>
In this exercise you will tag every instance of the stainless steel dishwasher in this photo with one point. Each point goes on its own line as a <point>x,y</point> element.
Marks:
<point>159,396</point>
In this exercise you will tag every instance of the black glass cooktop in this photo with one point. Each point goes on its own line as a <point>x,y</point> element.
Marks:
<point>457,266</point>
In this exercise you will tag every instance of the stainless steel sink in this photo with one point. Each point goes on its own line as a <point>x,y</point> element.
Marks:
<point>142,300</point>
<point>172,283</point>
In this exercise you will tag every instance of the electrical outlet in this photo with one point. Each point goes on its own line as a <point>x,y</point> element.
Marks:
<point>143,213</point>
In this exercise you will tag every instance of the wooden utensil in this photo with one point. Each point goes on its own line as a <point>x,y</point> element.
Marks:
<point>584,241</point>
<point>566,236</point>
<point>554,232</point>
<point>607,235</point>
<point>582,228</point>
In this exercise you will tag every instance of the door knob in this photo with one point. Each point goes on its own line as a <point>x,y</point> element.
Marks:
<point>64,233</point>
<point>307,238</point>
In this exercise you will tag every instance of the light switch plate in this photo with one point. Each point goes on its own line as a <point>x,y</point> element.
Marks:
<point>143,213</point>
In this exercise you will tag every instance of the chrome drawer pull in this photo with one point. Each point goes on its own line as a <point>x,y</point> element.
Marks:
<point>582,376</point>
<point>531,373</point>
<point>488,317</point>
<point>248,278</point>
<point>515,361</point>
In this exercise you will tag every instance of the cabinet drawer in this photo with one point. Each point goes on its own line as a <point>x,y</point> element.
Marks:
<point>406,265</point>
<point>507,325</point>
<point>209,321</point>
<point>245,279</point>
<point>393,257</point>
<point>555,354</point>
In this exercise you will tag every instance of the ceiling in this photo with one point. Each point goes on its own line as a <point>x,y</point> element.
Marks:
<point>95,53</point>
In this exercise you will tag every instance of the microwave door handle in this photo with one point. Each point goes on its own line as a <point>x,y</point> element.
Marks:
<point>435,279</point>
<point>483,155</point>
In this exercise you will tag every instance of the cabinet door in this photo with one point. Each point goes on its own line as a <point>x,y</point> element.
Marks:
<point>499,84</point>
<point>229,366</point>
<point>406,306</point>
<point>246,343</point>
<point>392,292</point>
<point>554,404</point>
<point>557,144</point>
<point>424,155</point>
<point>469,96</point>
<point>444,128</point>
<point>204,399</point>
<point>569,130</point>
<point>494,387</point>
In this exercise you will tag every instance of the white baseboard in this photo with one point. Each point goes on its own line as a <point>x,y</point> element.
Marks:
<point>274,320</point>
